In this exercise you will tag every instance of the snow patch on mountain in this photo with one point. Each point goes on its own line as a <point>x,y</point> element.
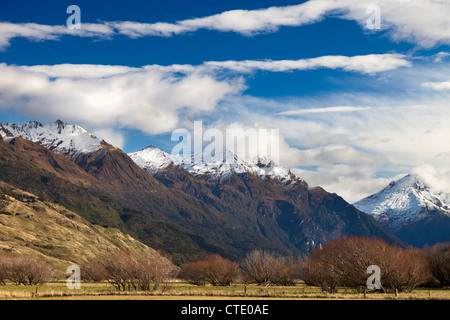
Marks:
<point>152,159</point>
<point>5,134</point>
<point>70,140</point>
<point>155,160</point>
<point>3,131</point>
<point>407,200</point>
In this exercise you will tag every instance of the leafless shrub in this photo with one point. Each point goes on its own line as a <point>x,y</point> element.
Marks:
<point>221,271</point>
<point>93,271</point>
<point>214,269</point>
<point>194,273</point>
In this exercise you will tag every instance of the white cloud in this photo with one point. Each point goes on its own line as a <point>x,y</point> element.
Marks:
<point>350,182</point>
<point>147,100</point>
<point>113,137</point>
<point>369,64</point>
<point>437,179</point>
<point>440,56</point>
<point>422,22</point>
<point>40,32</point>
<point>365,64</point>
<point>444,85</point>
<point>79,70</point>
<point>263,20</point>
<point>323,110</point>
<point>136,29</point>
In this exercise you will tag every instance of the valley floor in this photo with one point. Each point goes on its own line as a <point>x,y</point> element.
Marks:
<point>184,291</point>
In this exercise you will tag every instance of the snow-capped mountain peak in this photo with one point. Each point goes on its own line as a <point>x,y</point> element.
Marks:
<point>152,159</point>
<point>407,200</point>
<point>70,140</point>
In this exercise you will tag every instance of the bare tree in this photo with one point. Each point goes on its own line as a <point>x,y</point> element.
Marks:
<point>29,271</point>
<point>4,267</point>
<point>155,271</point>
<point>119,269</point>
<point>257,267</point>
<point>264,268</point>
<point>317,273</point>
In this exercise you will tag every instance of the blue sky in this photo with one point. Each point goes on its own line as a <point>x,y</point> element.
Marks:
<point>355,107</point>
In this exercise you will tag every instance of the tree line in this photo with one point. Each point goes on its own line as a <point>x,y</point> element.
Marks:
<point>338,263</point>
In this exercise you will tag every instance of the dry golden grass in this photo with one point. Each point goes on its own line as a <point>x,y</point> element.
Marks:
<point>32,227</point>
<point>183,291</point>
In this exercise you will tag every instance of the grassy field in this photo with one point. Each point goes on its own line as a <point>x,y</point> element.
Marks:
<point>182,290</point>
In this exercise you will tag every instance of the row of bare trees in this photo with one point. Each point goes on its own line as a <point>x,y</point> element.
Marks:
<point>338,263</point>
<point>126,271</point>
<point>260,267</point>
<point>344,263</point>
<point>24,270</point>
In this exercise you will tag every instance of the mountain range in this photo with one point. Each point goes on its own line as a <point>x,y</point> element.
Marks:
<point>185,208</point>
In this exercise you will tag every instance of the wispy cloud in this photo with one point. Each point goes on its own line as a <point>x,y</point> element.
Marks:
<point>323,110</point>
<point>443,85</point>
<point>421,22</point>
<point>40,32</point>
<point>364,64</point>
<point>371,63</point>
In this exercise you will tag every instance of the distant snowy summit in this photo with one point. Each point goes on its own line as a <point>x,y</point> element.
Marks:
<point>69,140</point>
<point>155,160</point>
<point>404,202</point>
